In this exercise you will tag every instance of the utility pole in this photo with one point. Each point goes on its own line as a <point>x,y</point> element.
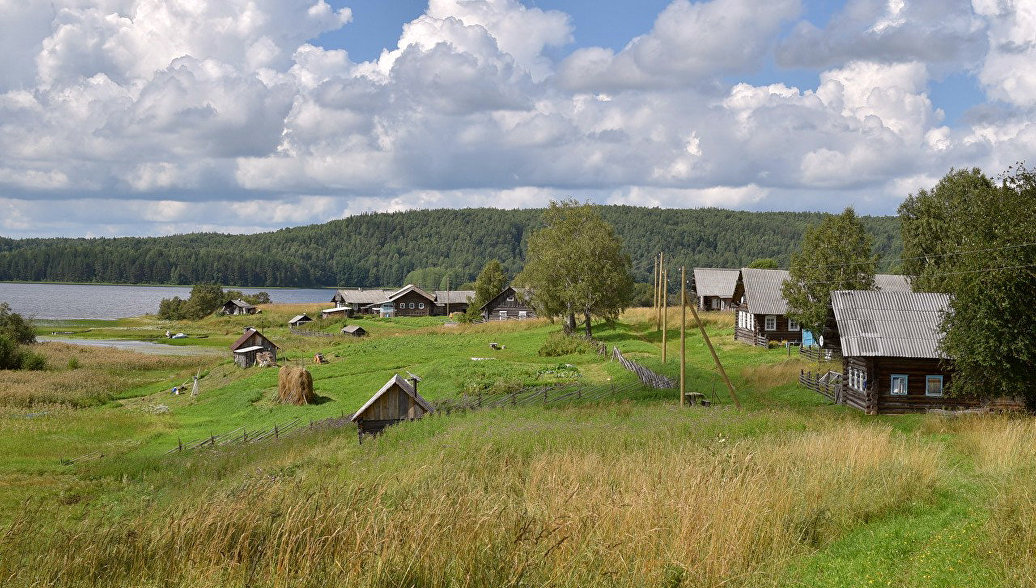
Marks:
<point>683,334</point>
<point>654,284</point>
<point>447,295</point>
<point>715,358</point>
<point>665,311</point>
<point>661,302</point>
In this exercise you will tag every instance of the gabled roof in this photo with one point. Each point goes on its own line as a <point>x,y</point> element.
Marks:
<point>889,323</point>
<point>406,290</point>
<point>404,385</point>
<point>710,281</point>
<point>361,295</point>
<point>763,290</point>
<point>299,318</point>
<point>524,293</point>
<point>238,303</point>
<point>248,333</point>
<point>350,329</point>
<point>892,283</point>
<point>455,296</point>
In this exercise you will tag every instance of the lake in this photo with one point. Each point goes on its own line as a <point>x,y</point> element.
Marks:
<point>88,301</point>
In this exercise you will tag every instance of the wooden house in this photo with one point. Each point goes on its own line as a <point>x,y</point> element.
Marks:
<point>448,302</point>
<point>882,283</point>
<point>509,304</point>
<point>299,320</point>
<point>354,330</point>
<point>889,342</point>
<point>761,310</point>
<point>714,287</point>
<point>358,300</point>
<point>251,343</point>
<point>397,401</point>
<point>237,307</point>
<point>407,301</point>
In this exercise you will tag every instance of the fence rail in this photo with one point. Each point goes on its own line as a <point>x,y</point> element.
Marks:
<point>648,377</point>
<point>828,384</point>
<point>309,332</point>
<point>818,353</point>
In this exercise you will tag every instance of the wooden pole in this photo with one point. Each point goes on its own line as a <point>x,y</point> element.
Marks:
<point>665,311</point>
<point>715,358</point>
<point>683,334</point>
<point>654,284</point>
<point>447,295</point>
<point>658,311</point>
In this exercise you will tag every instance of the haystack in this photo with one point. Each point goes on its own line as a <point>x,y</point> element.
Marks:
<point>295,385</point>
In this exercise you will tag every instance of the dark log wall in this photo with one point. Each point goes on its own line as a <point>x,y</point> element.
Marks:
<point>512,307</point>
<point>417,301</point>
<point>878,399</point>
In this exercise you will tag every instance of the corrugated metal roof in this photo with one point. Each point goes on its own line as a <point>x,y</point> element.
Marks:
<point>889,323</point>
<point>362,296</point>
<point>710,281</point>
<point>763,290</point>
<point>892,283</point>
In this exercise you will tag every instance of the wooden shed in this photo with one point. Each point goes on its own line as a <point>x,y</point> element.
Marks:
<point>237,307</point>
<point>509,304</point>
<point>714,287</point>
<point>397,401</point>
<point>450,301</point>
<point>761,310</point>
<point>890,348</point>
<point>354,330</point>
<point>251,343</point>
<point>299,320</point>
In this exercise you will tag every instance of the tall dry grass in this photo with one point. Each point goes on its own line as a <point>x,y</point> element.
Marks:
<point>103,374</point>
<point>527,502</point>
<point>711,318</point>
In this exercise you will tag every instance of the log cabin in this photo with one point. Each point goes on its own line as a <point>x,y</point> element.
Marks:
<point>299,320</point>
<point>249,344</point>
<point>357,300</point>
<point>714,287</point>
<point>891,362</point>
<point>397,401</point>
<point>448,302</point>
<point>235,307</point>
<point>354,331</point>
<point>509,304</point>
<point>761,310</point>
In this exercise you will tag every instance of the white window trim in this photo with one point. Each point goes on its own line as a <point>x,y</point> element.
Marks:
<point>510,298</point>
<point>402,305</point>
<point>793,325</point>
<point>941,381</point>
<point>411,305</point>
<point>767,322</point>
<point>906,385</point>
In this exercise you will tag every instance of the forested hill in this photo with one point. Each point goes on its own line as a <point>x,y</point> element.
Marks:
<point>380,249</point>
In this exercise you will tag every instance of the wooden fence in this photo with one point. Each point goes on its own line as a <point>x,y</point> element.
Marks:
<point>818,354</point>
<point>309,332</point>
<point>828,384</point>
<point>648,377</point>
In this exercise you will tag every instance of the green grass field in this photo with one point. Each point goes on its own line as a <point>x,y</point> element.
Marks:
<point>629,491</point>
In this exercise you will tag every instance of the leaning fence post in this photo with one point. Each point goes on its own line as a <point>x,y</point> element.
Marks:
<point>276,432</point>
<point>212,439</point>
<point>179,444</point>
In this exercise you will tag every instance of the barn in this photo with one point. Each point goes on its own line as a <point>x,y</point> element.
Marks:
<point>509,304</point>
<point>714,287</point>
<point>237,307</point>
<point>354,330</point>
<point>397,401</point>
<point>889,342</point>
<point>299,320</point>
<point>249,345</point>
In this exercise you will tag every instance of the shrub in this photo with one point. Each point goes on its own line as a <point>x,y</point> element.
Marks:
<point>14,327</point>
<point>73,363</point>
<point>559,344</point>
<point>32,361</point>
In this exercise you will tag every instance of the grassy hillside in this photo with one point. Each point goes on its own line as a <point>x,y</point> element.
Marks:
<point>628,491</point>
<point>381,249</point>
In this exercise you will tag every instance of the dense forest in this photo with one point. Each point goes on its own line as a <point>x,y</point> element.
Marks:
<point>380,249</point>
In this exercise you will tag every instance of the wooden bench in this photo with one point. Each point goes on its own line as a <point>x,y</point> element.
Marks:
<point>693,398</point>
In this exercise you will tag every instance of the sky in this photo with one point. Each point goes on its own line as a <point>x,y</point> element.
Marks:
<point>155,117</point>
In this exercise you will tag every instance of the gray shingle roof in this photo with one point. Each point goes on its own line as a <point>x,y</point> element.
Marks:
<point>710,281</point>
<point>362,295</point>
<point>456,296</point>
<point>763,290</point>
<point>889,323</point>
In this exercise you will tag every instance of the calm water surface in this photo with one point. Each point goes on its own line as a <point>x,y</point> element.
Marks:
<point>73,301</point>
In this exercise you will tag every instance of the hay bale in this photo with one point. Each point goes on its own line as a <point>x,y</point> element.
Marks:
<point>295,385</point>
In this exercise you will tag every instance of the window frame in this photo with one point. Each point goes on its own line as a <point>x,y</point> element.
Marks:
<point>411,305</point>
<point>796,327</point>
<point>892,384</point>
<point>420,305</point>
<point>402,306</point>
<point>766,322</point>
<point>942,382</point>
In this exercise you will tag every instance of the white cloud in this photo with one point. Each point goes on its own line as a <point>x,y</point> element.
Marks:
<point>1007,72</point>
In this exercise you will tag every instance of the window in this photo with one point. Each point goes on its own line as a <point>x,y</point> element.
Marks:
<point>933,385</point>
<point>510,298</point>
<point>420,304</point>
<point>503,315</point>
<point>402,304</point>
<point>793,325</point>
<point>771,323</point>
<point>716,304</point>
<point>411,305</point>
<point>522,315</point>
<point>899,385</point>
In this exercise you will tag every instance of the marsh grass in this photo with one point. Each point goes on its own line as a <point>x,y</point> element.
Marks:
<point>590,496</point>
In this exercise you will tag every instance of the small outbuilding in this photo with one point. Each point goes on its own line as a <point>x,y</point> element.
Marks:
<point>354,330</point>
<point>238,307</point>
<point>397,401</point>
<point>299,320</point>
<point>509,304</point>
<point>251,343</point>
<point>714,287</point>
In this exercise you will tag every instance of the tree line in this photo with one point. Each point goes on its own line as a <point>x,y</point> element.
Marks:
<point>382,249</point>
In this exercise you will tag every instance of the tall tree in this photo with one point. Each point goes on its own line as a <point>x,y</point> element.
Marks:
<point>932,226</point>
<point>836,255</point>
<point>976,240</point>
<point>14,327</point>
<point>576,265</point>
<point>490,282</point>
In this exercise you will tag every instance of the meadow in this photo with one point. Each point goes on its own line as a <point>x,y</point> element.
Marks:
<point>632,490</point>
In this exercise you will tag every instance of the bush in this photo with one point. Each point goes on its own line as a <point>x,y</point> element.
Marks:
<point>32,361</point>
<point>14,327</point>
<point>559,344</point>
<point>73,363</point>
